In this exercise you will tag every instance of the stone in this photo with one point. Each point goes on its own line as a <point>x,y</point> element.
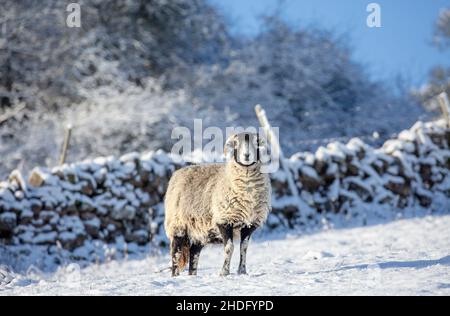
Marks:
<point>402,189</point>
<point>122,211</point>
<point>47,216</point>
<point>8,221</point>
<point>141,237</point>
<point>36,206</point>
<point>36,179</point>
<point>70,240</point>
<point>92,227</point>
<point>45,238</point>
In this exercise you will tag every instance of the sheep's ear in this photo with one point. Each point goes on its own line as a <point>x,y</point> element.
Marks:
<point>230,145</point>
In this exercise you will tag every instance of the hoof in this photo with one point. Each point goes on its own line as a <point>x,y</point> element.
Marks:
<point>225,273</point>
<point>242,271</point>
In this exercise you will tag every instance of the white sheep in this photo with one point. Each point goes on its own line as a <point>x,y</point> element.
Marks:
<point>204,203</point>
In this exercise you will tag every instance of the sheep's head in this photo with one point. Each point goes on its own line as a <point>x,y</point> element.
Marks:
<point>245,148</point>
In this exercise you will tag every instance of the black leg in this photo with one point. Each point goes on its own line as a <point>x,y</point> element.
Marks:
<point>227,235</point>
<point>246,232</point>
<point>194,254</point>
<point>176,249</point>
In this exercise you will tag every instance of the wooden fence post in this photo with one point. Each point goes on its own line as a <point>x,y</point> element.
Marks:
<point>276,148</point>
<point>445,107</point>
<point>65,147</point>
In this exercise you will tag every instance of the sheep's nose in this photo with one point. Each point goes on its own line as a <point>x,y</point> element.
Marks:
<point>247,157</point>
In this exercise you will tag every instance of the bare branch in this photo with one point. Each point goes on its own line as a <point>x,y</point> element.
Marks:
<point>12,113</point>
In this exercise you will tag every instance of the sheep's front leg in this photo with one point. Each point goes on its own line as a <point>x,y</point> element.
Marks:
<point>227,235</point>
<point>194,254</point>
<point>246,232</point>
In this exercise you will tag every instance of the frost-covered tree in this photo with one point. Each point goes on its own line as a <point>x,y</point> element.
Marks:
<point>439,77</point>
<point>137,68</point>
<point>307,81</point>
<point>153,37</point>
<point>35,47</point>
<point>42,60</point>
<point>442,28</point>
<point>90,74</point>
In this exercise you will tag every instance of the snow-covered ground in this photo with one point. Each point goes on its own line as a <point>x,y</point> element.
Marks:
<point>405,257</point>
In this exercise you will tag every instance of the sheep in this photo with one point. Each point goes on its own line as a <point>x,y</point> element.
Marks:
<point>204,203</point>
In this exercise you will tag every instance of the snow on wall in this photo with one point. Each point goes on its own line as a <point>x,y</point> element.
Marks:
<point>111,200</point>
<point>356,180</point>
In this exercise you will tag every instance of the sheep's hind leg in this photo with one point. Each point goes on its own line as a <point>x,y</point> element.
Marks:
<point>194,254</point>
<point>246,232</point>
<point>176,252</point>
<point>227,235</point>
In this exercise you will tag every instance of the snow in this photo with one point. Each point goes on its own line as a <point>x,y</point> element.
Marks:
<point>404,257</point>
<point>309,172</point>
<point>45,238</point>
<point>8,217</point>
<point>333,194</point>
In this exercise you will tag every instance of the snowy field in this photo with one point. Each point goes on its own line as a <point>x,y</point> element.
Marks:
<point>406,257</point>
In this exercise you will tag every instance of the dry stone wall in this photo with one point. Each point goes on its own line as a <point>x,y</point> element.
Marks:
<point>109,198</point>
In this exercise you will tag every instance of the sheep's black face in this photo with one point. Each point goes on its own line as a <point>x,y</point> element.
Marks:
<point>246,148</point>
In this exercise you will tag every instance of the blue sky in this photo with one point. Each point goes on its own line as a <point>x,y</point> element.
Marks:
<point>402,45</point>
